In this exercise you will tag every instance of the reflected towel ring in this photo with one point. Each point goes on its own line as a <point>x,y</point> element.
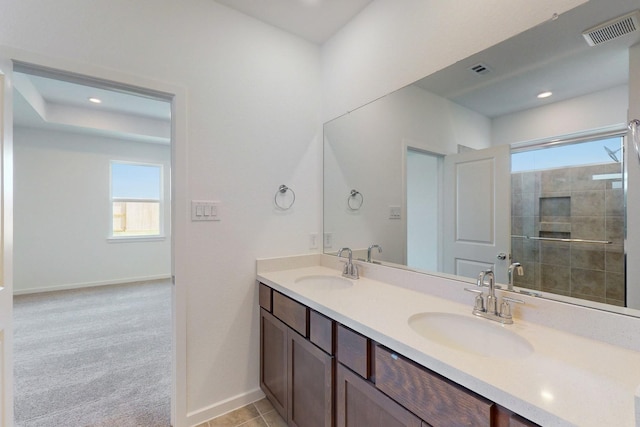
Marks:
<point>353,202</point>
<point>282,190</point>
<point>634,127</point>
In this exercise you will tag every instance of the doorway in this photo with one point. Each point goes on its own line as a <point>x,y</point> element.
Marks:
<point>423,187</point>
<point>64,152</point>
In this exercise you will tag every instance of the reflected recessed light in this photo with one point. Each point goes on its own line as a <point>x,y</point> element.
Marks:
<point>546,395</point>
<point>95,100</point>
<point>545,94</point>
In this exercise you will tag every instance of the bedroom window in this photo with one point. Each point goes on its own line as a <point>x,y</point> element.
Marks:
<point>136,201</point>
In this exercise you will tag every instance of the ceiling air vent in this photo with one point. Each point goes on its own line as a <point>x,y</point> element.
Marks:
<point>613,29</point>
<point>480,69</point>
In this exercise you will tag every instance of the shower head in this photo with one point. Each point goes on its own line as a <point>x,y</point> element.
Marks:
<point>612,154</point>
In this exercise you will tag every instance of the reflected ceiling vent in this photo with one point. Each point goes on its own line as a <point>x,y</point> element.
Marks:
<point>613,29</point>
<point>480,69</point>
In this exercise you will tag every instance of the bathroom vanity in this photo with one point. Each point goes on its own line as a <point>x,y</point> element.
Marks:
<point>343,352</point>
<point>302,351</point>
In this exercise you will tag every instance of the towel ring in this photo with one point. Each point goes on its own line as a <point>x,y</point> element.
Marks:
<point>353,201</point>
<point>634,126</point>
<point>282,190</point>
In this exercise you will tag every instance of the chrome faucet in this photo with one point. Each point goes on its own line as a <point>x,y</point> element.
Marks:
<point>350,270</point>
<point>492,303</point>
<point>490,311</point>
<point>517,267</point>
<point>369,251</point>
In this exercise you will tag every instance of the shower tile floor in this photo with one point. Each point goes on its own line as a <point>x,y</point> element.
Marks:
<point>256,414</point>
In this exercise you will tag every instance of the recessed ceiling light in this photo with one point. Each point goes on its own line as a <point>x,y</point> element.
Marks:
<point>95,100</point>
<point>545,94</point>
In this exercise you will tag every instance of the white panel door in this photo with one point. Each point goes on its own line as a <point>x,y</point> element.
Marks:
<point>477,212</point>
<point>6,289</point>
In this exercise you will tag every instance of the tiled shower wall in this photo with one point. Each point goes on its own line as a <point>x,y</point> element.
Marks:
<point>569,203</point>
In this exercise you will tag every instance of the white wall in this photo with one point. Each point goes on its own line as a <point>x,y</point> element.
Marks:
<point>584,113</point>
<point>392,43</point>
<point>253,122</point>
<point>63,214</point>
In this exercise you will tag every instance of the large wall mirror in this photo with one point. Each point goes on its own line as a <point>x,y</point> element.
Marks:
<point>468,169</point>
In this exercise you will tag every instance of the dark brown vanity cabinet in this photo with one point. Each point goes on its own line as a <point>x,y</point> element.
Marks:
<point>373,387</point>
<point>296,374</point>
<point>359,403</point>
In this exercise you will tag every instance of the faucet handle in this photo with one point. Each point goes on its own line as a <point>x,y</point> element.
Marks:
<point>354,272</point>
<point>345,269</point>
<point>479,303</point>
<point>505,308</point>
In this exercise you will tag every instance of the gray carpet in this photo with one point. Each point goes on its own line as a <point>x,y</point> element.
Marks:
<point>94,357</point>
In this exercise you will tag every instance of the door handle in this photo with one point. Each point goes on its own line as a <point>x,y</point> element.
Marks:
<point>501,256</point>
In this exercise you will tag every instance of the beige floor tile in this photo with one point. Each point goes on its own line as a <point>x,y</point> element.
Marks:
<point>273,419</point>
<point>256,422</point>
<point>235,418</point>
<point>204,424</point>
<point>263,406</point>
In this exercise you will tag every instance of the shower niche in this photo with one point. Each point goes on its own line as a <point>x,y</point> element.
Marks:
<point>555,217</point>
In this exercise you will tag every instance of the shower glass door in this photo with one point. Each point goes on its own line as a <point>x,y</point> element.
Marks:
<point>568,218</point>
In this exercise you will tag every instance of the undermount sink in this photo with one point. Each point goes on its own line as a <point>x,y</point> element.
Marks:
<point>471,335</point>
<point>325,282</point>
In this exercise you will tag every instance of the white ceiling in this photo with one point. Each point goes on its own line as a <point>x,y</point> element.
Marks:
<point>553,56</point>
<point>48,103</point>
<point>313,20</point>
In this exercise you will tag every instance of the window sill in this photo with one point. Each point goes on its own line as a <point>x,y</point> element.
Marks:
<point>125,239</point>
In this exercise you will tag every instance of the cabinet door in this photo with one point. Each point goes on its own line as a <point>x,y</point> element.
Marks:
<point>273,361</point>
<point>310,384</point>
<point>359,403</point>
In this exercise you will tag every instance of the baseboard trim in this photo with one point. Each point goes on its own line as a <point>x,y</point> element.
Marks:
<point>90,284</point>
<point>210,412</point>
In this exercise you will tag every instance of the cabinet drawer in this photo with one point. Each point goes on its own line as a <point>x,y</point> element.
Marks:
<point>353,351</point>
<point>433,398</point>
<point>264,297</point>
<point>321,331</point>
<point>291,312</point>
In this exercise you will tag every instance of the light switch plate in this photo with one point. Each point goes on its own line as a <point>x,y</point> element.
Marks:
<point>395,212</point>
<point>205,210</point>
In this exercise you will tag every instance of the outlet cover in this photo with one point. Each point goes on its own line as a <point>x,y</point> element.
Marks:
<point>328,240</point>
<point>313,241</point>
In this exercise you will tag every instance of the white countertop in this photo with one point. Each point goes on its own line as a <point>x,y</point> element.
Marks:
<point>568,380</point>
